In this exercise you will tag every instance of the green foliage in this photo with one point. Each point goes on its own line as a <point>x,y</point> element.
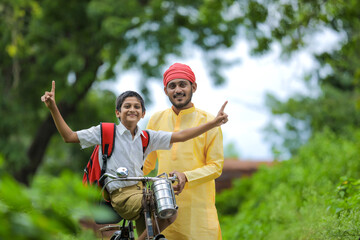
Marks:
<point>229,201</point>
<point>50,209</point>
<point>231,151</point>
<point>300,198</point>
<point>348,195</point>
<point>82,43</point>
<point>333,101</point>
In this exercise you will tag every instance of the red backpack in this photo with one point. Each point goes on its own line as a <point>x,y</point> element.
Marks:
<point>92,172</point>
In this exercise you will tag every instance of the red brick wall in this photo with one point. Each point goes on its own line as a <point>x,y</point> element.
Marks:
<point>235,168</point>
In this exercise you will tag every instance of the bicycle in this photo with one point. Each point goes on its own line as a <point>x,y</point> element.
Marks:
<point>158,202</point>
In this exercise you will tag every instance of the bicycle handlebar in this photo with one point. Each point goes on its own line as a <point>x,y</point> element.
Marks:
<point>146,179</point>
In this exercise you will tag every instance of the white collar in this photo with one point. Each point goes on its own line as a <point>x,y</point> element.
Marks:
<point>123,129</point>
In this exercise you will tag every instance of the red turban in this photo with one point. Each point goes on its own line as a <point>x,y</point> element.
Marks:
<point>178,70</point>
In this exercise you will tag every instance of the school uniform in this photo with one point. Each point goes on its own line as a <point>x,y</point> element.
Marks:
<point>126,195</point>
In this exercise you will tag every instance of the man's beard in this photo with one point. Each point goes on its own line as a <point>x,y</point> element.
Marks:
<point>181,105</point>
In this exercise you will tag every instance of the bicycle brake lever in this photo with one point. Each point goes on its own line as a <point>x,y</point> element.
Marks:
<point>108,175</point>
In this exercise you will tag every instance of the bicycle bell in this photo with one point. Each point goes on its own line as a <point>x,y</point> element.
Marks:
<point>122,172</point>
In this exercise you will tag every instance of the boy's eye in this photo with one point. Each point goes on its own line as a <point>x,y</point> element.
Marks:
<point>127,106</point>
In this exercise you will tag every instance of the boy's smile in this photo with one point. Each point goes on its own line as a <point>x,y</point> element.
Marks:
<point>130,112</point>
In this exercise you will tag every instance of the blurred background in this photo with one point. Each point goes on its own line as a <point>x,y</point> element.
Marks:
<point>289,69</point>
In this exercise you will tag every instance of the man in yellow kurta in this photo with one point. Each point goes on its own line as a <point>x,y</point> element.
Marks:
<point>196,162</point>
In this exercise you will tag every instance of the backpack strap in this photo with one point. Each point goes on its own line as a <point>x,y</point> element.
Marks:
<point>108,131</point>
<point>145,139</point>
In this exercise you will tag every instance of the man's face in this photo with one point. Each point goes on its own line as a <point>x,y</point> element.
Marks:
<point>180,93</point>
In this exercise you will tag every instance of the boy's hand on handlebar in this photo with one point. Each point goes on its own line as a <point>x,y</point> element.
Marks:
<point>49,97</point>
<point>181,181</point>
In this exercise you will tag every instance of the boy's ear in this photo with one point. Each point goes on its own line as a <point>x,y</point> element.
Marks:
<point>117,113</point>
<point>143,114</point>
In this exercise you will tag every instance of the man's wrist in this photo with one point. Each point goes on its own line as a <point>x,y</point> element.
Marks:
<point>186,179</point>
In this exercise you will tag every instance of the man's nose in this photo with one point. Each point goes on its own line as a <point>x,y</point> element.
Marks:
<point>178,89</point>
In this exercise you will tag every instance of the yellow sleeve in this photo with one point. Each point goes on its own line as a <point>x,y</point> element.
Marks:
<point>150,161</point>
<point>214,160</point>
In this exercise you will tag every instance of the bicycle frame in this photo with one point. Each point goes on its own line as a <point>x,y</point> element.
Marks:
<point>148,200</point>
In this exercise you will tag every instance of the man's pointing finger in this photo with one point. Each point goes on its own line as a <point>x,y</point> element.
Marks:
<point>223,106</point>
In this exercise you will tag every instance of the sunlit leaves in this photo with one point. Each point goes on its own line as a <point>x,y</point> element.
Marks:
<point>257,13</point>
<point>50,209</point>
<point>335,104</point>
<point>314,195</point>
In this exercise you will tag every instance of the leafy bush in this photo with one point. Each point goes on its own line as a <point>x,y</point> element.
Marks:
<point>50,209</point>
<point>300,198</point>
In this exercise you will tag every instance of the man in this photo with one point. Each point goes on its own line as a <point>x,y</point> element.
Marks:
<point>197,162</point>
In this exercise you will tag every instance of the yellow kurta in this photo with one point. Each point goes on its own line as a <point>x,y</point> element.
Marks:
<point>201,159</point>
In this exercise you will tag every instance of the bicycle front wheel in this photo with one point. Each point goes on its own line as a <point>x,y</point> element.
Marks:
<point>160,237</point>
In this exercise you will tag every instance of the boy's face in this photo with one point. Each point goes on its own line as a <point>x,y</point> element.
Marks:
<point>130,111</point>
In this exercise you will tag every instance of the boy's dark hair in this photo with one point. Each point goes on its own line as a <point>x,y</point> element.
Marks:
<point>120,99</point>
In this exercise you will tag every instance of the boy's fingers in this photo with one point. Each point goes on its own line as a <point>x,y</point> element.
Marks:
<point>53,86</point>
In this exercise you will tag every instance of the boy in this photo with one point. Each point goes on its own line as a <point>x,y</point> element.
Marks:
<point>126,196</point>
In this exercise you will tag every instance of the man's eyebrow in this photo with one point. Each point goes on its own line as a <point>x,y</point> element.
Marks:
<point>181,81</point>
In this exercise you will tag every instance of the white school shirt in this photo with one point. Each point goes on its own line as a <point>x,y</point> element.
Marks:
<point>127,152</point>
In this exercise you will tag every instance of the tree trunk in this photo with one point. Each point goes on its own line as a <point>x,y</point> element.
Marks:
<point>40,143</point>
<point>47,128</point>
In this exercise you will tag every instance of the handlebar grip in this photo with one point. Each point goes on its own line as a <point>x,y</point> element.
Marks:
<point>174,178</point>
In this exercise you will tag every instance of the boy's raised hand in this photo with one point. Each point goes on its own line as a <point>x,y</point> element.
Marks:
<point>49,97</point>
<point>221,117</point>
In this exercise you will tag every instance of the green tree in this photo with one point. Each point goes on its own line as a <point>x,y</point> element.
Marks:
<point>315,195</point>
<point>44,211</point>
<point>230,151</point>
<point>302,198</point>
<point>80,43</point>
<point>334,103</point>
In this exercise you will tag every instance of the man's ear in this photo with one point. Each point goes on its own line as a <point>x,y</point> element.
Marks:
<point>194,87</point>
<point>165,90</point>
